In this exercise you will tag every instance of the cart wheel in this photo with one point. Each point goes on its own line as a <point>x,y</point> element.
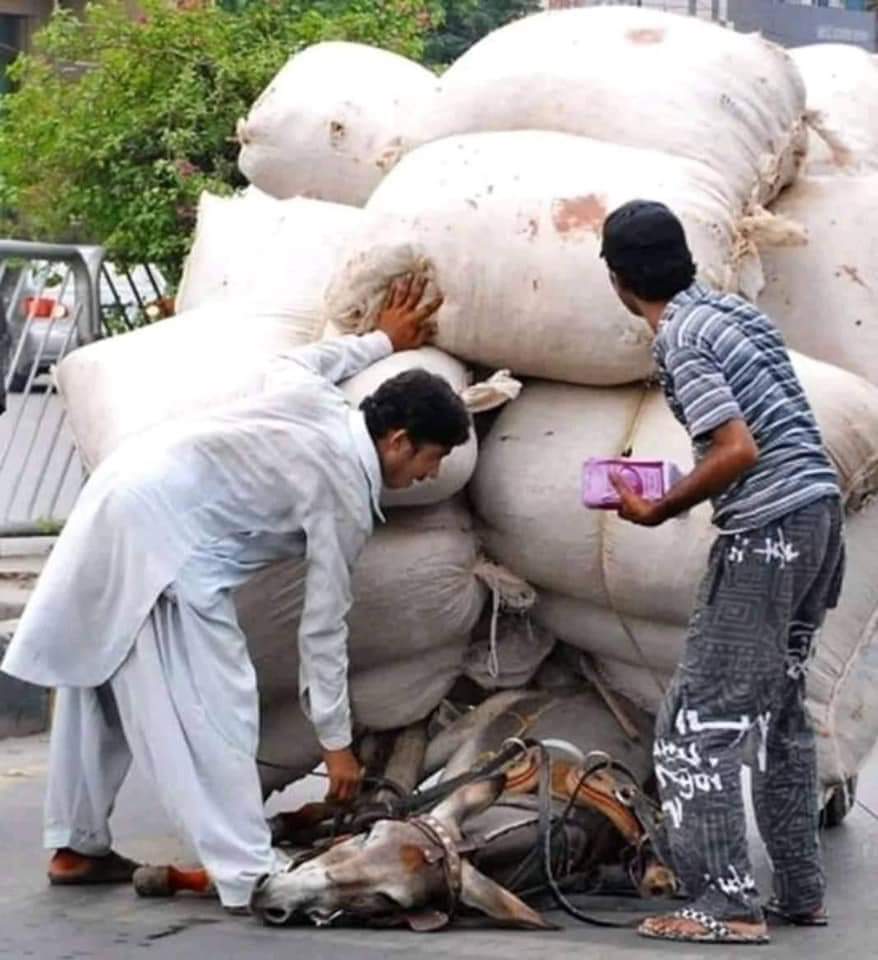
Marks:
<point>840,803</point>
<point>18,382</point>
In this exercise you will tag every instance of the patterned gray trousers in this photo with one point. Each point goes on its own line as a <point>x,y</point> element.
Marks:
<point>741,686</point>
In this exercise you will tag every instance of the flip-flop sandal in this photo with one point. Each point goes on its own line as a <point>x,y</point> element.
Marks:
<point>713,930</point>
<point>111,868</point>
<point>815,918</point>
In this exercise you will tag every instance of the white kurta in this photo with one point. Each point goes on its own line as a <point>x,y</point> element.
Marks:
<point>289,472</point>
<point>133,617</point>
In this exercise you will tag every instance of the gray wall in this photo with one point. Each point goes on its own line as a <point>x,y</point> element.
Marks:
<point>794,26</point>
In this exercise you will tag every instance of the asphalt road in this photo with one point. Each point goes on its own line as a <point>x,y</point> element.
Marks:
<point>95,924</point>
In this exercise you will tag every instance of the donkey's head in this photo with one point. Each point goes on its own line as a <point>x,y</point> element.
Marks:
<point>398,871</point>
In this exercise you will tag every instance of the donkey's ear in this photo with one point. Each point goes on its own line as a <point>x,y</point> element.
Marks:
<point>481,893</point>
<point>469,800</point>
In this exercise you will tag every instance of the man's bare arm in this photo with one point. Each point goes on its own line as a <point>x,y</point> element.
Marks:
<point>732,453</point>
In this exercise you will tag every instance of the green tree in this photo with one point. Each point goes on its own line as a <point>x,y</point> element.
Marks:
<point>466,21</point>
<point>117,124</point>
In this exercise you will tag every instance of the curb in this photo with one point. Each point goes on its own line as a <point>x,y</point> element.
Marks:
<point>24,708</point>
<point>14,594</point>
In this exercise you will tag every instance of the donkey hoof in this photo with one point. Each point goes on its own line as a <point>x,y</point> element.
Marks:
<point>153,882</point>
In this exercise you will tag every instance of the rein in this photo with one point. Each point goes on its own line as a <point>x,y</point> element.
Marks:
<point>413,807</point>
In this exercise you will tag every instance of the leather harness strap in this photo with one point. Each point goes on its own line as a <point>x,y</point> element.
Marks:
<point>447,853</point>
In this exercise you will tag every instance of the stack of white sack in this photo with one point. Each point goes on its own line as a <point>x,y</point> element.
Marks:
<point>252,289</point>
<point>640,78</point>
<point>841,84</point>
<point>418,588</point>
<point>333,121</point>
<point>338,116</point>
<point>624,593</point>
<point>420,585</point>
<point>508,225</point>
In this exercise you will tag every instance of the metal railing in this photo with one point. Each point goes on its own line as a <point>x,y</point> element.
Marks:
<point>53,299</point>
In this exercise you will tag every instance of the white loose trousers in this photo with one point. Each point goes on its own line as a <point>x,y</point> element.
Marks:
<point>184,705</point>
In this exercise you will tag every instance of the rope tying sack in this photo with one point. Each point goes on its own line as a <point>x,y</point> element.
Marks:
<point>842,154</point>
<point>762,228</point>
<point>508,592</point>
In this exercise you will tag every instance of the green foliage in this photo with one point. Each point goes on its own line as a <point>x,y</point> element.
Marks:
<point>466,21</point>
<point>117,125</point>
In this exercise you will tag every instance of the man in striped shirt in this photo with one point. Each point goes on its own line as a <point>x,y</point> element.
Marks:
<point>774,570</point>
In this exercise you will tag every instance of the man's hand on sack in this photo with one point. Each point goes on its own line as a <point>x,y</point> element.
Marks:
<point>404,318</point>
<point>345,775</point>
<point>637,509</point>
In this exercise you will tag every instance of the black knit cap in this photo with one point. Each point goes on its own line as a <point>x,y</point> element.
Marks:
<point>643,232</point>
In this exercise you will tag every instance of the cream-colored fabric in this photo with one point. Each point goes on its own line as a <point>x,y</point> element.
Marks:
<point>824,295</point>
<point>638,77</point>
<point>508,225</point>
<point>263,254</point>
<point>252,288</point>
<point>492,393</point>
<point>333,121</point>
<point>457,468</point>
<point>194,362</point>
<point>416,599</point>
<point>841,83</point>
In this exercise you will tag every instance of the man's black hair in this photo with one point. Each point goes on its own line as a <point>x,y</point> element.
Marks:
<point>645,245</point>
<point>420,403</point>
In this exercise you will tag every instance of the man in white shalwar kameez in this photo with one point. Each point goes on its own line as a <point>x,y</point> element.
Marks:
<point>133,618</point>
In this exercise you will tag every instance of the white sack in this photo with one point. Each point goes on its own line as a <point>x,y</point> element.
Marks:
<point>527,488</point>
<point>333,121</point>
<point>506,652</point>
<point>639,77</point>
<point>509,224</point>
<point>263,253</point>
<point>823,295</point>
<point>841,83</point>
<point>252,288</point>
<point>458,466</point>
<point>193,362</point>
<point>417,596</point>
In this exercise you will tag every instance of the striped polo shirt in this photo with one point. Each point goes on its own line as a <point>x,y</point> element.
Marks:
<point>720,359</point>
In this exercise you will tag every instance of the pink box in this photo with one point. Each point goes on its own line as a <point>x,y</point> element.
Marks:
<point>651,479</point>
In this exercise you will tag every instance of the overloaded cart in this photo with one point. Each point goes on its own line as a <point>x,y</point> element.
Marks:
<point>492,600</point>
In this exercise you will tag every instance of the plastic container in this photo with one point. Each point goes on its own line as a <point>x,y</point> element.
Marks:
<point>650,479</point>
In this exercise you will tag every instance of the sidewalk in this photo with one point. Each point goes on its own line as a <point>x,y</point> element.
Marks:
<point>97,924</point>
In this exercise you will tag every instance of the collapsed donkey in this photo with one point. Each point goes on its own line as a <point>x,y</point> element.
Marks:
<point>465,851</point>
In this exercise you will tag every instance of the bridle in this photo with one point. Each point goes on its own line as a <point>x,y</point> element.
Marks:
<point>444,849</point>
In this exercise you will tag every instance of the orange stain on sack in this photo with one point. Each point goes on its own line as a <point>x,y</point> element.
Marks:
<point>572,214</point>
<point>645,36</point>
